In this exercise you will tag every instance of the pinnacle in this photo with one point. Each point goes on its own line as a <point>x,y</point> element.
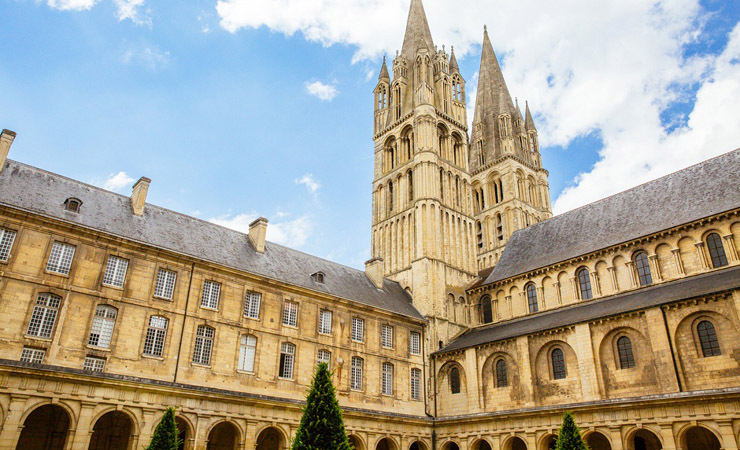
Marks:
<point>454,68</point>
<point>417,35</point>
<point>384,71</point>
<point>528,121</point>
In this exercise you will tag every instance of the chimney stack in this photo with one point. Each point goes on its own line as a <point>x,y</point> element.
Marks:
<point>257,232</point>
<point>138,196</point>
<point>374,271</point>
<point>6,140</point>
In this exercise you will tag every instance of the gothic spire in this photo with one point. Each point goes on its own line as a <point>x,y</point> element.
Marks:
<point>454,68</point>
<point>417,32</point>
<point>384,72</point>
<point>528,122</point>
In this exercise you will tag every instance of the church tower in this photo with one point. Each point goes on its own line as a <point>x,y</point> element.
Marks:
<point>422,218</point>
<point>510,188</point>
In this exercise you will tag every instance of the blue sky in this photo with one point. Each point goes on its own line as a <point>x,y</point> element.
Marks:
<point>241,108</point>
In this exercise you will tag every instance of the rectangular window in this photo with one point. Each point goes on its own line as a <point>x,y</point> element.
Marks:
<point>252,305</point>
<point>44,315</point>
<point>358,329</point>
<point>415,384</point>
<point>165,286</point>
<point>287,353</point>
<point>386,336</point>
<point>324,322</point>
<point>155,335</point>
<point>290,313</point>
<point>324,356</point>
<point>102,326</point>
<point>60,258</point>
<point>203,345</point>
<point>356,374</point>
<point>211,293</point>
<point>33,355</point>
<point>94,364</point>
<point>247,352</point>
<point>387,379</point>
<point>115,271</point>
<point>414,343</point>
<point>6,243</point>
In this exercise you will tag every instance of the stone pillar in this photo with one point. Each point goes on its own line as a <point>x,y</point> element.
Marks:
<point>574,289</point>
<point>655,268</point>
<point>595,283</point>
<point>633,273</point>
<point>201,433</point>
<point>84,426</point>
<point>669,440</point>
<point>660,343</point>
<point>730,246</point>
<point>556,286</point>
<point>679,262</point>
<point>150,420</point>
<point>613,276</point>
<point>701,254</point>
<point>525,370</point>
<point>728,435</point>
<point>12,425</point>
<point>590,385</point>
<point>616,435</point>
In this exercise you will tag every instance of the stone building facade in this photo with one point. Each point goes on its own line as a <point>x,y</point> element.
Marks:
<point>478,320</point>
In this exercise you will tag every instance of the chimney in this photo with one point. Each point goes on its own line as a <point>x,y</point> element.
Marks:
<point>138,196</point>
<point>257,232</point>
<point>374,271</point>
<point>6,140</point>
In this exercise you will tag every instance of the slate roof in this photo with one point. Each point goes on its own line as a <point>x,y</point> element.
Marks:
<point>686,288</point>
<point>37,191</point>
<point>702,190</point>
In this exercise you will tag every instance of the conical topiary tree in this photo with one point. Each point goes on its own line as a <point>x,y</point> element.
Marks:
<point>569,437</point>
<point>322,426</point>
<point>165,436</point>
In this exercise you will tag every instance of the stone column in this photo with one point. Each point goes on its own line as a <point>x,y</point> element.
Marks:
<point>574,289</point>
<point>633,273</point>
<point>655,268</point>
<point>84,426</point>
<point>556,286</point>
<point>590,385</point>
<point>616,435</point>
<point>679,262</point>
<point>728,435</point>
<point>595,283</point>
<point>702,255</point>
<point>660,343</point>
<point>669,440</point>
<point>150,420</point>
<point>730,246</point>
<point>613,276</point>
<point>12,426</point>
<point>525,366</point>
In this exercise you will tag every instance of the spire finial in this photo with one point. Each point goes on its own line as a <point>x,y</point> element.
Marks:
<point>485,29</point>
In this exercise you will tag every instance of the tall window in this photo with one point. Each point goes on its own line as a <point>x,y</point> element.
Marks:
<point>487,309</point>
<point>60,258</point>
<point>211,293</point>
<point>532,298</point>
<point>7,237</point>
<point>499,227</point>
<point>558,364</point>
<point>287,355</point>
<point>102,326</point>
<point>44,315</point>
<point>479,234</point>
<point>416,384</point>
<point>165,286</point>
<point>155,335</point>
<point>325,321</point>
<point>356,374</point>
<point>716,250</point>
<point>252,305</point>
<point>290,313</point>
<point>33,355</point>
<point>115,271</point>
<point>324,356</point>
<point>584,283</point>
<point>643,269</point>
<point>358,329</point>
<point>387,379</point>
<point>411,185</point>
<point>386,336</point>
<point>626,358</point>
<point>203,345</point>
<point>247,351</point>
<point>455,380</point>
<point>414,343</point>
<point>502,379</point>
<point>708,339</point>
<point>94,364</point>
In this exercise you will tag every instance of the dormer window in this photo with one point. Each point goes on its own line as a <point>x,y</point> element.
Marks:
<point>72,205</point>
<point>318,277</point>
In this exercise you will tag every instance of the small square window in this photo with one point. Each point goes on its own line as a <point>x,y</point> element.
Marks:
<point>7,237</point>
<point>60,258</point>
<point>94,364</point>
<point>115,271</point>
<point>33,355</point>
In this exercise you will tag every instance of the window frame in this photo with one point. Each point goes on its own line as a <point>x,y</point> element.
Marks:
<point>531,292</point>
<point>115,276</point>
<point>203,353</point>
<point>499,374</point>
<point>415,379</point>
<point>290,314</point>
<point>249,304</point>
<point>103,323</point>
<point>41,313</point>
<point>386,333</point>
<point>287,359</point>
<point>716,249</point>
<point>319,359</point>
<point>6,244</point>
<point>324,316</point>
<point>165,283</point>
<point>61,259</point>
<point>30,355</point>
<point>454,380</point>
<point>206,295</point>
<point>558,367</point>
<point>356,373</point>
<point>584,281</point>
<point>244,349</point>
<point>486,309</point>
<point>414,341</point>
<point>712,345</point>
<point>157,334</point>
<point>94,364</point>
<point>642,268</point>
<point>386,378</point>
<point>625,352</point>
<point>353,330</point>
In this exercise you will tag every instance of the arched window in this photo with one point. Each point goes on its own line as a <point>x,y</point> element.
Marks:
<point>101,332</point>
<point>626,358</point>
<point>584,283</point>
<point>643,269</point>
<point>499,227</point>
<point>502,379</point>
<point>708,339</point>
<point>716,250</point>
<point>247,351</point>
<point>487,310</point>
<point>390,196</point>
<point>479,234</point>
<point>455,380</point>
<point>532,298</point>
<point>558,364</point>
<point>411,185</point>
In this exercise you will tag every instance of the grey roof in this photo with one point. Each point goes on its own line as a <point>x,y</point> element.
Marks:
<point>702,190</point>
<point>686,288</point>
<point>41,192</point>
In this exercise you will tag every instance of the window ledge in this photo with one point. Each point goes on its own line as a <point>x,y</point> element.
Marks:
<point>38,338</point>
<point>159,297</point>
<point>208,308</point>
<point>59,274</point>
<point>158,358</point>
<point>290,326</point>
<point>251,318</point>
<point>245,372</point>
<point>205,366</point>
<point>285,379</point>
<point>98,349</point>
<point>112,286</point>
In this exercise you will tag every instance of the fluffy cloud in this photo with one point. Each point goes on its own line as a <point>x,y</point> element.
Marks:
<point>311,183</point>
<point>324,92</point>
<point>610,68</point>
<point>152,58</point>
<point>291,233</point>
<point>72,5</point>
<point>118,181</point>
<point>133,10</point>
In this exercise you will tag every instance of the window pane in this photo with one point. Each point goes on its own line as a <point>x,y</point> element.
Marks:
<point>325,322</point>
<point>60,258</point>
<point>708,339</point>
<point>33,355</point>
<point>387,336</point>
<point>356,374</point>
<point>203,345</point>
<point>387,381</point>
<point>414,343</point>
<point>532,298</point>
<point>115,271</point>
<point>487,309</point>
<point>643,269</point>
<point>44,315</point>
<point>94,364</point>
<point>155,336</point>
<point>358,329</point>
<point>584,282</point>
<point>324,356</point>
<point>558,364</point>
<point>101,332</point>
<point>165,286</point>
<point>716,250</point>
<point>626,358</point>
<point>211,293</point>
<point>455,380</point>
<point>252,305</point>
<point>502,379</point>
<point>416,384</point>
<point>286,360</point>
<point>6,243</point>
<point>290,313</point>
<point>247,352</point>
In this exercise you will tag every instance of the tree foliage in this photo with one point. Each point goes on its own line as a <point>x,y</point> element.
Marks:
<point>165,436</point>
<point>322,426</point>
<point>569,437</point>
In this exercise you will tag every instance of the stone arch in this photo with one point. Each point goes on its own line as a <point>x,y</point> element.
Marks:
<point>687,250</point>
<point>41,402</point>
<point>481,444</point>
<point>272,438</point>
<point>514,443</point>
<point>114,430</point>
<point>386,443</point>
<point>356,442</point>
<point>596,440</point>
<point>638,379</point>
<point>223,435</point>
<point>488,373</point>
<point>698,437</point>
<point>443,376</point>
<point>46,426</point>
<point>450,445</point>
<point>185,431</point>
<point>547,441</point>
<point>418,445</point>
<point>643,438</point>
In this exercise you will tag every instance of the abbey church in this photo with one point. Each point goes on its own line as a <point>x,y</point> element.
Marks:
<point>479,319</point>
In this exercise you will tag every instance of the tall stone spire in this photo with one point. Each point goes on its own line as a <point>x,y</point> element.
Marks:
<point>454,68</point>
<point>528,122</point>
<point>384,72</point>
<point>417,32</point>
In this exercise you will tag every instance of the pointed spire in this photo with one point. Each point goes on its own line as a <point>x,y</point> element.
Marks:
<point>517,111</point>
<point>384,72</point>
<point>454,68</point>
<point>528,122</point>
<point>417,32</point>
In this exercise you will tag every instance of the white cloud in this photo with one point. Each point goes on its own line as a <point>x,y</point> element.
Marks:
<point>133,10</point>
<point>324,92</point>
<point>291,233</point>
<point>310,182</point>
<point>118,181</point>
<point>72,5</point>
<point>151,57</point>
